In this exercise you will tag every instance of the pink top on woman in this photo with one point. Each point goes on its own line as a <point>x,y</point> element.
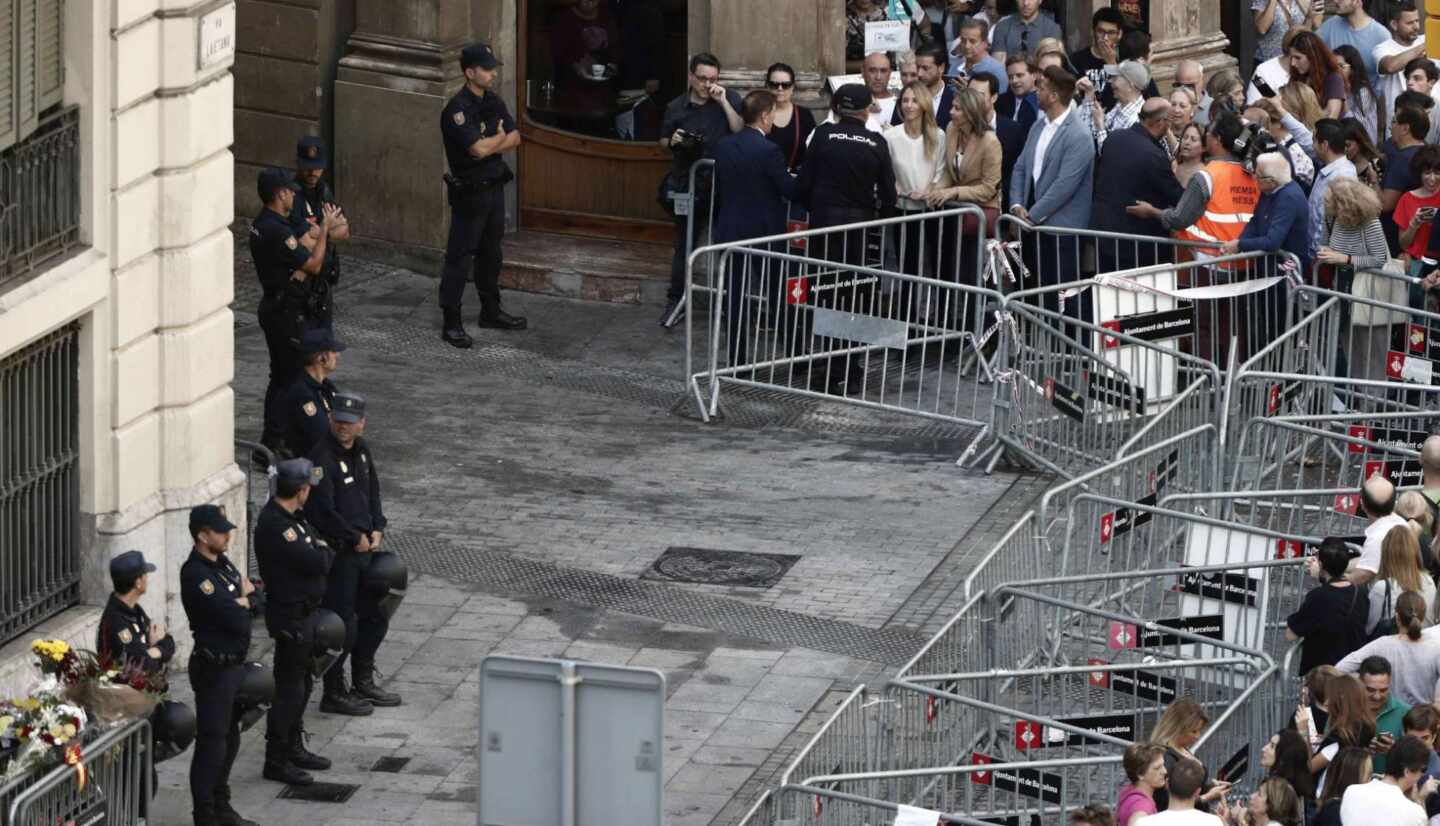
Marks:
<point>1132,802</point>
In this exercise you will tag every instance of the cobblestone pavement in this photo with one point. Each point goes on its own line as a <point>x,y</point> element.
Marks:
<point>532,481</point>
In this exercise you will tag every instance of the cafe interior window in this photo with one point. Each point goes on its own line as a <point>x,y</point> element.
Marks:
<point>604,68</point>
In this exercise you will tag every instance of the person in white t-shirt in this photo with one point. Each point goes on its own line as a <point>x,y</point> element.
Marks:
<point>1377,503</point>
<point>1405,44</point>
<point>1386,800</point>
<point>1185,779</point>
<point>876,69</point>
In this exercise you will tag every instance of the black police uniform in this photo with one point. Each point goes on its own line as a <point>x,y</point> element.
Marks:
<point>123,635</point>
<point>345,505</point>
<point>477,200</point>
<point>304,412</point>
<point>284,305</point>
<point>294,563</point>
<point>209,590</point>
<point>308,210</point>
<point>846,174</point>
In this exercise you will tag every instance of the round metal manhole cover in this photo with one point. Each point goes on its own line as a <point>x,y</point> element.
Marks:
<point>708,566</point>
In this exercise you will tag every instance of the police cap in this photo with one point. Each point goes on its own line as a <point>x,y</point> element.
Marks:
<point>348,406</point>
<point>320,340</point>
<point>269,183</point>
<point>478,54</point>
<point>310,153</point>
<point>299,472</point>
<point>852,97</point>
<point>211,517</point>
<point>130,564</point>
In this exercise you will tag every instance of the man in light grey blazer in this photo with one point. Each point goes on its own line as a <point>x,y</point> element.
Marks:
<point>1053,183</point>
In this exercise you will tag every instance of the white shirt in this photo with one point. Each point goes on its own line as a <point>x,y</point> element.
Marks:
<point>1378,803</point>
<point>1374,535</point>
<point>913,171</point>
<point>1047,134</point>
<point>1275,72</point>
<point>1188,817</point>
<point>1391,85</point>
<point>880,121</point>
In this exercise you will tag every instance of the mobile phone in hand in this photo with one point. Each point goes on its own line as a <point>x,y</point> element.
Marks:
<point>1264,88</point>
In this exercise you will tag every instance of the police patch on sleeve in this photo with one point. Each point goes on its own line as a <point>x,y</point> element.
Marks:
<point>125,635</point>
<point>309,408</point>
<point>290,535</point>
<point>207,588</point>
<point>291,242</point>
<point>459,118</point>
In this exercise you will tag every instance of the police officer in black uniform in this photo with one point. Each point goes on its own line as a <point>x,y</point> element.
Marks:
<point>126,635</point>
<point>284,262</point>
<point>477,128</point>
<point>218,602</point>
<point>311,196</point>
<point>294,563</point>
<point>845,178</point>
<point>304,408</point>
<point>346,508</point>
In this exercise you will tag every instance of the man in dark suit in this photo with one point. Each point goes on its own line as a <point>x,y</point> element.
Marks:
<point>751,188</point>
<point>1018,102</point>
<point>1010,133</point>
<point>1133,167</point>
<point>932,65</point>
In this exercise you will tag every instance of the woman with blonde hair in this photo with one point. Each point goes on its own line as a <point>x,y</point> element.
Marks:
<point>1414,659</point>
<point>1300,101</point>
<point>1049,45</point>
<point>1178,730</point>
<point>1351,240</point>
<point>915,146</point>
<point>1413,505</point>
<point>1400,571</point>
<point>1183,103</point>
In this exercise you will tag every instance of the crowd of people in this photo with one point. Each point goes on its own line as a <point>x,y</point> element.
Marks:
<point>1360,747</point>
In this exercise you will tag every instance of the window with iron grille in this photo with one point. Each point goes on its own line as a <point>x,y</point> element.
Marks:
<point>39,141</point>
<point>39,481</point>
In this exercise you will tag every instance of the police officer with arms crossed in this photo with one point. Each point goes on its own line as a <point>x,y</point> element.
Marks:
<point>477,129</point>
<point>294,563</point>
<point>847,171</point>
<point>126,635</point>
<point>305,406</point>
<point>345,507</point>
<point>283,263</point>
<point>313,193</point>
<point>217,600</point>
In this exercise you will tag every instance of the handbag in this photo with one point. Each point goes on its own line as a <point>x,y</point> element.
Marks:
<point>1387,288</point>
<point>1386,626</point>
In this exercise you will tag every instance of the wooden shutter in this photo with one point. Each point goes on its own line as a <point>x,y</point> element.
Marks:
<point>49,53</point>
<point>8,54</point>
<point>27,110</point>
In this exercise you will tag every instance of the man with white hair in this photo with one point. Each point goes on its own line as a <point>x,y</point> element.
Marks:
<point>1191,75</point>
<point>1282,216</point>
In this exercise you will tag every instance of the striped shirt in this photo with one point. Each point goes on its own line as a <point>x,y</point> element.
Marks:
<point>1366,245</point>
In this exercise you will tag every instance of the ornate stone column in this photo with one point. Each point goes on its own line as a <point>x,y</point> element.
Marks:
<point>749,35</point>
<point>1186,30</point>
<point>400,66</point>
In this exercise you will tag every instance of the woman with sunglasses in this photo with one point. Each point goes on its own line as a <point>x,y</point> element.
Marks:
<point>793,124</point>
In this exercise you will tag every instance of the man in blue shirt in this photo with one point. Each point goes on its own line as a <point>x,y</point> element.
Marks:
<point>973,46</point>
<point>1023,30</point>
<point>1352,26</point>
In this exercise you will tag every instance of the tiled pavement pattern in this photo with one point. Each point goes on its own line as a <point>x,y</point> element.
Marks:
<point>533,479</point>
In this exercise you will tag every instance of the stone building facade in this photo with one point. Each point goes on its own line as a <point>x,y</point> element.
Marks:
<point>116,340</point>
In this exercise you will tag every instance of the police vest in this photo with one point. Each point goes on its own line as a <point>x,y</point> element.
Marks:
<point>1233,195</point>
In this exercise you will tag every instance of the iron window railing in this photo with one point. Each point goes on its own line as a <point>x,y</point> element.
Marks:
<point>39,481</point>
<point>40,196</point>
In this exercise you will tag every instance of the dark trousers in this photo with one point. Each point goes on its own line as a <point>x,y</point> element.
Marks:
<point>365,625</point>
<point>293,684</point>
<point>843,290</point>
<point>473,250</point>
<point>217,731</point>
<point>681,251</point>
<point>280,336</point>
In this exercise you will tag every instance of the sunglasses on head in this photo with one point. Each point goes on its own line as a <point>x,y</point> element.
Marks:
<point>780,84</point>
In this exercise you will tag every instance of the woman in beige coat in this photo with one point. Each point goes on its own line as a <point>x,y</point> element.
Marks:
<point>971,176</point>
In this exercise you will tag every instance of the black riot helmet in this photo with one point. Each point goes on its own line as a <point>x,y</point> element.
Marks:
<point>256,692</point>
<point>385,581</point>
<point>327,631</point>
<point>173,725</point>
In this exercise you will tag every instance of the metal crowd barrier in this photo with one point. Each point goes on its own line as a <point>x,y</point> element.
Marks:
<point>116,791</point>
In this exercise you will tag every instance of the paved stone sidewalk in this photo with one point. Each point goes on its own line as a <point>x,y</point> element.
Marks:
<point>533,480</point>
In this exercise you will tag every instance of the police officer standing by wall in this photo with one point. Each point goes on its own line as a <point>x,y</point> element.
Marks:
<point>309,207</point>
<point>304,409</point>
<point>283,263</point>
<point>846,173</point>
<point>217,601</point>
<point>126,635</point>
<point>294,563</point>
<point>345,507</point>
<point>477,128</point>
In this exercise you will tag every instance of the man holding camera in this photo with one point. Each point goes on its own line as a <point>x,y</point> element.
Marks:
<point>477,128</point>
<point>693,123</point>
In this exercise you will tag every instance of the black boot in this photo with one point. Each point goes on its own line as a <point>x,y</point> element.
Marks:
<point>303,758</point>
<point>494,318</point>
<point>279,768</point>
<point>337,698</point>
<point>204,816</point>
<point>225,814</point>
<point>366,687</point>
<point>452,330</point>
